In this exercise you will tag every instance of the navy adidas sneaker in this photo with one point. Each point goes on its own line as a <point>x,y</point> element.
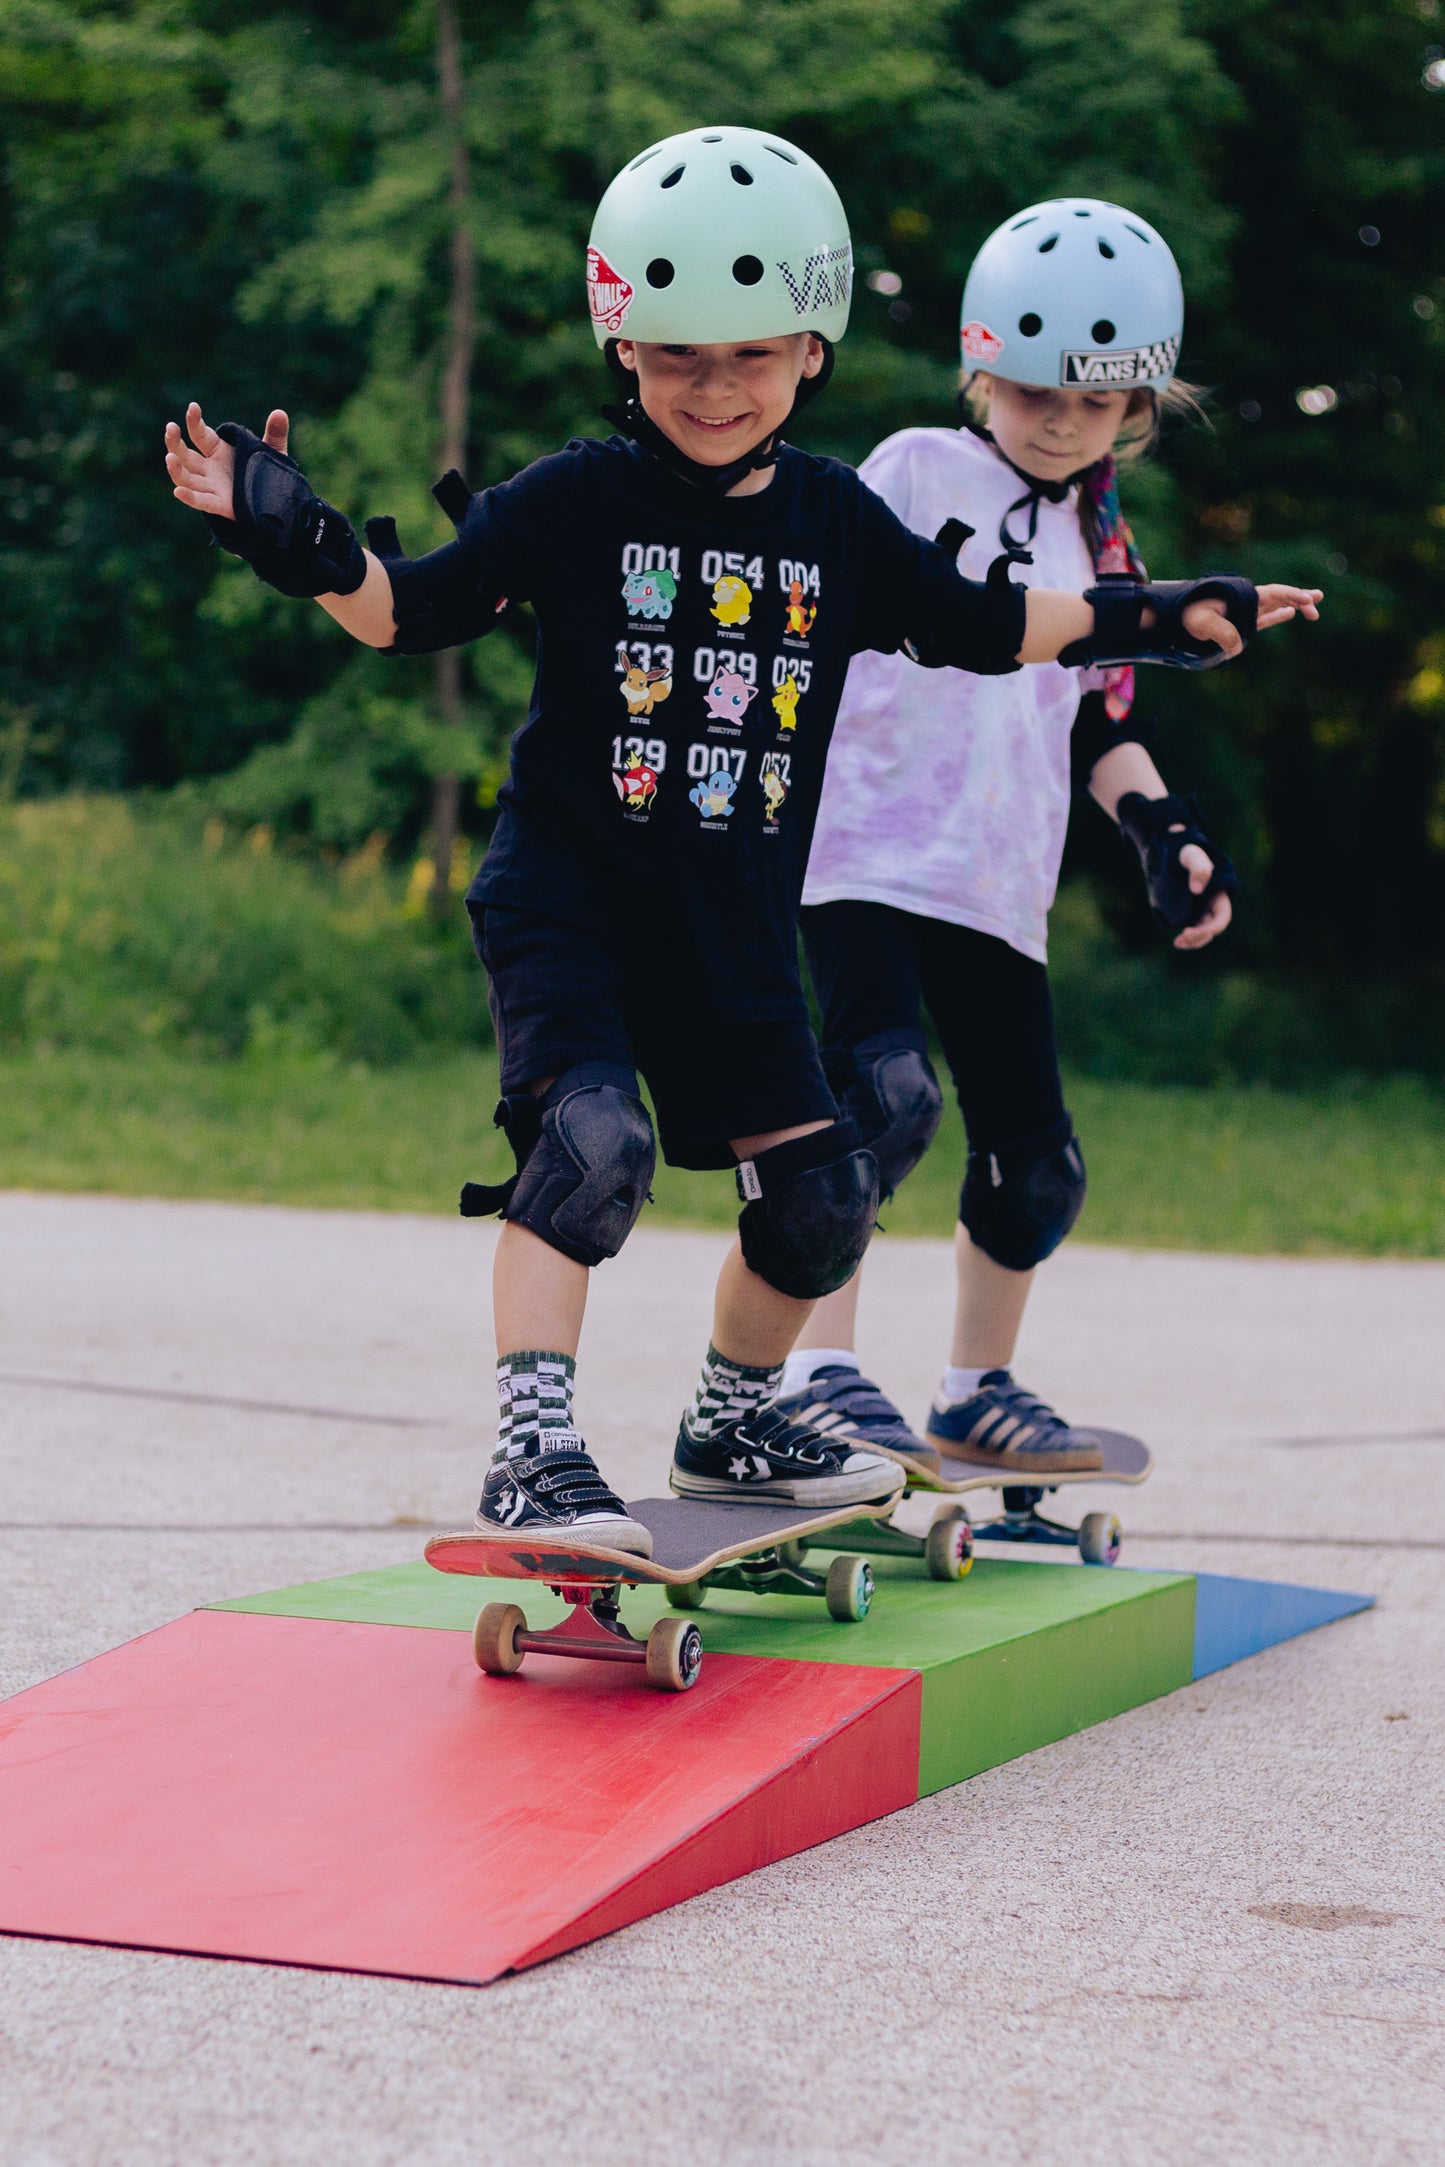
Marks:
<point>557,1490</point>
<point>765,1457</point>
<point>848,1407</point>
<point>1001,1425</point>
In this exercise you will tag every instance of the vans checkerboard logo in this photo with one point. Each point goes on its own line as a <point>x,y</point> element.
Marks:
<point>826,282</point>
<point>1126,365</point>
<point>609,294</point>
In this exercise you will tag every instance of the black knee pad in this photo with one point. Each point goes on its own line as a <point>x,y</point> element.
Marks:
<point>1019,1200</point>
<point>887,1084</point>
<point>585,1157</point>
<point>809,1210</point>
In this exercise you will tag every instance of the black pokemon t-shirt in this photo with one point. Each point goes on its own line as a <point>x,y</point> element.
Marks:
<point>691,656</point>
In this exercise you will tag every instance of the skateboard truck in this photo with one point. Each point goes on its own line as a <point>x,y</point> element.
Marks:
<point>1098,1534</point>
<point>671,1653</point>
<point>846,1587</point>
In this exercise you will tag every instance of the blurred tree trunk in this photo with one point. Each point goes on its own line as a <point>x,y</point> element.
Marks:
<point>461,342</point>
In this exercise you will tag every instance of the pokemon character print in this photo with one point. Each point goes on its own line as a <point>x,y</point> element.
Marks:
<point>785,703</point>
<point>729,696</point>
<point>636,784</point>
<point>732,600</point>
<point>799,618</point>
<point>649,594</point>
<point>714,798</point>
<point>775,791</point>
<point>641,689</point>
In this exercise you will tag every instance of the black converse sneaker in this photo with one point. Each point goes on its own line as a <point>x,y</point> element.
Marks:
<point>554,1488</point>
<point>764,1457</point>
<point>848,1407</point>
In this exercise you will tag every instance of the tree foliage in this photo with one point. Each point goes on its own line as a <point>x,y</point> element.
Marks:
<point>252,209</point>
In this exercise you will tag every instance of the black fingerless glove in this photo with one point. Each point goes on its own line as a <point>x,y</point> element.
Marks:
<point>1120,602</point>
<point>1159,829</point>
<point>290,537</point>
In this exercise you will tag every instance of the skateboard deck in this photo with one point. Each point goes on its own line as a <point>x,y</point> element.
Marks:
<point>691,1537</point>
<point>697,1543</point>
<point>1126,1459</point>
<point>1098,1537</point>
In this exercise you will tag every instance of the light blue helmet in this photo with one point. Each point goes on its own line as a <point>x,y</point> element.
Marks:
<point>1074,292</point>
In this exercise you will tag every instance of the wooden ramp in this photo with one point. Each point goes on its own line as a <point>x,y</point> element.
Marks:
<point>321,1776</point>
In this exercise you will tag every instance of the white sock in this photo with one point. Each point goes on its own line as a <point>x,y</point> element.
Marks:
<point>961,1384</point>
<point>804,1363</point>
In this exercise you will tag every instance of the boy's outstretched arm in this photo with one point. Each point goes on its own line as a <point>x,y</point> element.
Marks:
<point>1068,628</point>
<point>348,581</point>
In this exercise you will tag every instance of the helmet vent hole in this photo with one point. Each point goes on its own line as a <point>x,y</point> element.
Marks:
<point>1103,331</point>
<point>742,176</point>
<point>1051,242</point>
<point>712,139</point>
<point>1019,223</point>
<point>1083,214</point>
<point>670,180</point>
<point>1031,325</point>
<point>1136,233</point>
<point>747,270</point>
<point>786,155</point>
<point>644,158</point>
<point>660,272</point>
<point>1105,250</point>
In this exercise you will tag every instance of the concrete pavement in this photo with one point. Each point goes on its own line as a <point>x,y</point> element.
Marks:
<point>1211,1929</point>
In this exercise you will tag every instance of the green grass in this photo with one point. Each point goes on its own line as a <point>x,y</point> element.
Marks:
<point>1353,1169</point>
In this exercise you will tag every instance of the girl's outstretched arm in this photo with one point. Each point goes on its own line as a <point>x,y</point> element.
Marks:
<point>203,475</point>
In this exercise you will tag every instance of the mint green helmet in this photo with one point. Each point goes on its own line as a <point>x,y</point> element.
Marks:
<point>717,235</point>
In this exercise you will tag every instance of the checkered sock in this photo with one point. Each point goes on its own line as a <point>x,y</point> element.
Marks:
<point>534,1394</point>
<point>726,1391</point>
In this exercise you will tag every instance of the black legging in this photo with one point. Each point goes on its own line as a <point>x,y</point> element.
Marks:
<point>875,969</point>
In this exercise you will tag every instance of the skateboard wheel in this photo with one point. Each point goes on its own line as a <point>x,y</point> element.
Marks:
<point>948,1546</point>
<point>1100,1538</point>
<point>674,1655</point>
<point>849,1590</point>
<point>494,1639</point>
<point>686,1597</point>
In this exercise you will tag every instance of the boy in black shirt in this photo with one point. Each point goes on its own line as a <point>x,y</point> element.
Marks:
<point>699,588</point>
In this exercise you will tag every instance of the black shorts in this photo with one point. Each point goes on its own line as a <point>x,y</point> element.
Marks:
<point>559,996</point>
<point>876,969</point>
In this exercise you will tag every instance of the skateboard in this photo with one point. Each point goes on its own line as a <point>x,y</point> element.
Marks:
<point>697,1544</point>
<point>1099,1536</point>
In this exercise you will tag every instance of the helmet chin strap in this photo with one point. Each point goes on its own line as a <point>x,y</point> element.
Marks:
<point>636,422</point>
<point>1038,491</point>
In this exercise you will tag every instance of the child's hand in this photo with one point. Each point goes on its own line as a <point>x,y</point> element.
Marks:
<point>203,476</point>
<point>1199,866</point>
<point>1278,604</point>
<point>1206,620</point>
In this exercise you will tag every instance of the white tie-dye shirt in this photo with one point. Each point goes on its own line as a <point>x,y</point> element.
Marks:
<point>946,794</point>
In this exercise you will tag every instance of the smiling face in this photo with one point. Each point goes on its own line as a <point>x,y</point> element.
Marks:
<point>1052,433</point>
<point>718,402</point>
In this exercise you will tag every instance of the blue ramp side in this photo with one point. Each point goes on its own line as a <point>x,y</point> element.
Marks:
<point>1236,1618</point>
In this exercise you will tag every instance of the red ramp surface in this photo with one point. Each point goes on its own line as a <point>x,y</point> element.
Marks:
<point>359,1797</point>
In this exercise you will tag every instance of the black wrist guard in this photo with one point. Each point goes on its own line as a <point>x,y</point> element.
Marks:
<point>1159,829</point>
<point>289,536</point>
<point>1118,636</point>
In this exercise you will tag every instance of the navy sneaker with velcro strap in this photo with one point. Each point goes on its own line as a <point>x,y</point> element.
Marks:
<point>1003,1426</point>
<point>848,1407</point>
